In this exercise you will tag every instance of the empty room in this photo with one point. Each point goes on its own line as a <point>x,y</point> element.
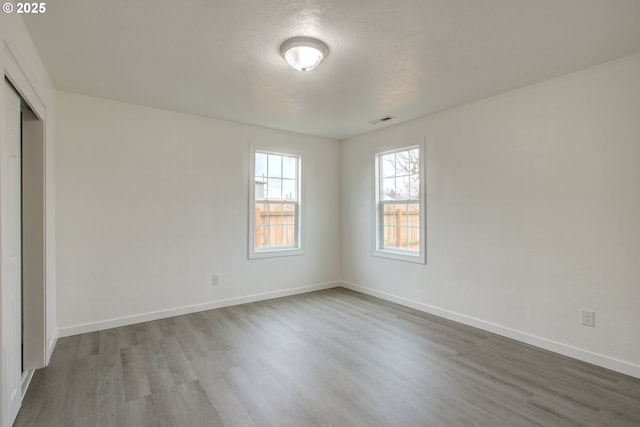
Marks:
<point>320,213</point>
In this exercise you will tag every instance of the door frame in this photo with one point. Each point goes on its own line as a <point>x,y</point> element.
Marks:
<point>35,291</point>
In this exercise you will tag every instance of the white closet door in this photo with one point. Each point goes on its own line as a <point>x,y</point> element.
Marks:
<point>11,255</point>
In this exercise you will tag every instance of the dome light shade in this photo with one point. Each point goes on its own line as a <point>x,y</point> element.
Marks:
<point>304,53</point>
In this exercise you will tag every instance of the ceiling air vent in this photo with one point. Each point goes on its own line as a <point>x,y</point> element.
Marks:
<point>382,119</point>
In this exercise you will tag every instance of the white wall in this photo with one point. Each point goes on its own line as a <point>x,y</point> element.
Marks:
<point>533,201</point>
<point>151,203</point>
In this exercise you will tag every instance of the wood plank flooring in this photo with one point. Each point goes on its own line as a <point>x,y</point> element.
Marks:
<point>328,358</point>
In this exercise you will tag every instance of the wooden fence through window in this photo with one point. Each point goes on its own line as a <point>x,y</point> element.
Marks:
<point>402,226</point>
<point>275,225</point>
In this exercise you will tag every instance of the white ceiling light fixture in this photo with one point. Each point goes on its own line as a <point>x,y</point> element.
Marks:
<point>304,53</point>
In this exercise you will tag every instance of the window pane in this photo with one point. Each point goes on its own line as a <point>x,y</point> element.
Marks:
<point>275,210</point>
<point>275,217</point>
<point>275,166</point>
<point>404,241</point>
<point>399,192</point>
<point>414,215</point>
<point>396,237</point>
<point>402,163</point>
<point>289,207</point>
<point>274,189</point>
<point>260,188</point>
<point>388,162</point>
<point>414,155</point>
<point>261,165</point>
<point>402,188</point>
<point>389,214</point>
<point>288,215</point>
<point>260,236</point>
<point>288,235</point>
<point>408,162</point>
<point>389,189</point>
<point>276,235</point>
<point>262,212</point>
<point>389,236</point>
<point>401,225</point>
<point>414,238</point>
<point>401,214</point>
<point>275,225</point>
<point>414,189</point>
<point>289,189</point>
<point>289,166</point>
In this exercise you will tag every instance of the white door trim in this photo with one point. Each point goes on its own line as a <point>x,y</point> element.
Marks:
<point>40,349</point>
<point>11,254</point>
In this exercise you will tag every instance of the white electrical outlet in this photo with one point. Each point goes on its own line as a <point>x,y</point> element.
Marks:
<point>588,318</point>
<point>216,280</point>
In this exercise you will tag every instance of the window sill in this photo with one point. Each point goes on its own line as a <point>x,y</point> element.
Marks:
<point>275,253</point>
<point>400,256</point>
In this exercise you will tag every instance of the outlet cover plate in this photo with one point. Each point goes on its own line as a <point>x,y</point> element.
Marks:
<point>588,318</point>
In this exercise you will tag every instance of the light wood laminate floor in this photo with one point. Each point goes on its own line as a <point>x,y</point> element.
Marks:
<point>328,358</point>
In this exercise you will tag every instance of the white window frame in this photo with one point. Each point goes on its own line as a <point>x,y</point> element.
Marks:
<point>378,241</point>
<point>280,251</point>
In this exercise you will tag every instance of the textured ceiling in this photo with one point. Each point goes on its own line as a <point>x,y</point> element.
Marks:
<point>404,58</point>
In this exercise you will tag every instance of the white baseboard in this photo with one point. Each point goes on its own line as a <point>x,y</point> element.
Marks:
<point>50,347</point>
<point>178,311</point>
<point>26,380</point>
<point>608,362</point>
